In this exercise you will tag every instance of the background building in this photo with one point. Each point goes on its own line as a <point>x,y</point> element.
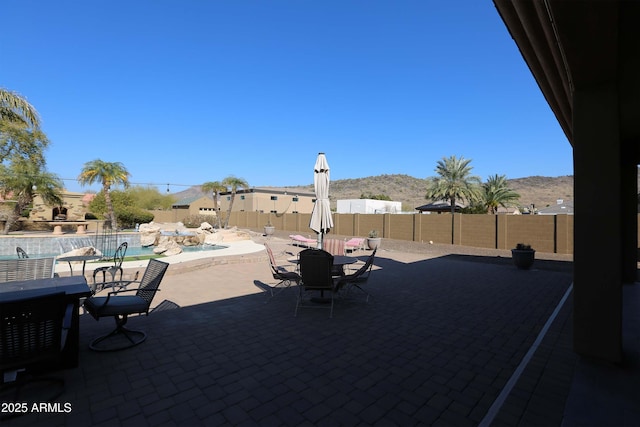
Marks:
<point>268,200</point>
<point>368,206</point>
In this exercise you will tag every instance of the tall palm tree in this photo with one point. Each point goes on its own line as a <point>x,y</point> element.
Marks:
<point>233,183</point>
<point>108,174</point>
<point>19,183</point>
<point>497,193</point>
<point>15,108</point>
<point>454,181</point>
<point>215,187</point>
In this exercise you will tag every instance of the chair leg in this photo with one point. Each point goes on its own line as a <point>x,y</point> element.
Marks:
<point>132,337</point>
<point>362,290</point>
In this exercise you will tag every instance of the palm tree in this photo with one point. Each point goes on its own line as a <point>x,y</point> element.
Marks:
<point>19,183</point>
<point>234,184</point>
<point>108,174</point>
<point>454,181</point>
<point>15,108</point>
<point>20,133</point>
<point>215,187</point>
<point>497,193</point>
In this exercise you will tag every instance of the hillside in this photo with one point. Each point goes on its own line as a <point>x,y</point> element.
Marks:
<point>538,190</point>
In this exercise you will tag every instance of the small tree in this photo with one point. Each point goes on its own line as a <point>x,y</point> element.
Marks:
<point>234,184</point>
<point>496,192</point>
<point>215,188</point>
<point>19,183</point>
<point>107,174</point>
<point>454,182</point>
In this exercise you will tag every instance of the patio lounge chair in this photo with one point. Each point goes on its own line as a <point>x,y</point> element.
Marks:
<point>280,273</point>
<point>118,258</point>
<point>354,244</point>
<point>299,240</point>
<point>359,278</point>
<point>121,306</point>
<point>34,332</point>
<point>315,269</point>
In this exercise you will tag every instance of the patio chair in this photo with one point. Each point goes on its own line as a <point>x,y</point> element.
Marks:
<point>33,333</point>
<point>21,252</point>
<point>280,273</point>
<point>315,270</point>
<point>26,269</point>
<point>359,278</point>
<point>121,306</point>
<point>113,270</point>
<point>335,247</point>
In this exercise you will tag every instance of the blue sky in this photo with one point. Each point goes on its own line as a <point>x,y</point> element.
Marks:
<point>184,92</point>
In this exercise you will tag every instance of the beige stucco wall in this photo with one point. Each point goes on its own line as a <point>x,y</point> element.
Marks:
<point>72,202</point>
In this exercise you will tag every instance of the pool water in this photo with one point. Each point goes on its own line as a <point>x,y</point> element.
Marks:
<point>134,251</point>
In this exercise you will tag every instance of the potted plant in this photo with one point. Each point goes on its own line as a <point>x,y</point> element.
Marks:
<point>269,228</point>
<point>373,241</point>
<point>523,256</point>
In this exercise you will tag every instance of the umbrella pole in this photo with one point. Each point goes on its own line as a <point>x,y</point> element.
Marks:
<point>319,245</point>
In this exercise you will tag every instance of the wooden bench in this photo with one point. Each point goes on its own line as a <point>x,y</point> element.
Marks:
<point>26,269</point>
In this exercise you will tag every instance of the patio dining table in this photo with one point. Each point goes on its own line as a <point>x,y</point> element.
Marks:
<point>79,258</point>
<point>74,287</point>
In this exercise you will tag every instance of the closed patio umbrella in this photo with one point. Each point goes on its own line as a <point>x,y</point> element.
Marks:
<point>321,220</point>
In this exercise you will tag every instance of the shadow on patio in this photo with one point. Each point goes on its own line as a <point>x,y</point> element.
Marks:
<point>437,343</point>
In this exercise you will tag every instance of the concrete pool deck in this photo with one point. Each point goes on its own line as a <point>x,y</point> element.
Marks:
<point>237,249</point>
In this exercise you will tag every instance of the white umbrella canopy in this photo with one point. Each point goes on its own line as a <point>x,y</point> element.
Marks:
<point>321,220</point>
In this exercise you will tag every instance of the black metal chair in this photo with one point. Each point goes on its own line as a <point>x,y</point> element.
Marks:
<point>359,278</point>
<point>118,258</point>
<point>26,269</point>
<point>280,273</point>
<point>21,252</point>
<point>33,333</point>
<point>316,271</point>
<point>121,306</point>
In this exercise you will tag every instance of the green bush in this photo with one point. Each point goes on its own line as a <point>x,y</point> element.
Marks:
<point>130,216</point>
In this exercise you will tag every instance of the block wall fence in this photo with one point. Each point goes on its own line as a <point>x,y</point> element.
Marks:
<point>545,233</point>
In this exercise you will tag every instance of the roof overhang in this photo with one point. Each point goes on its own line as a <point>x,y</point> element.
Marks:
<point>569,45</point>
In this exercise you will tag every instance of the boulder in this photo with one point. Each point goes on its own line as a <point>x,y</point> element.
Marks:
<point>167,247</point>
<point>205,227</point>
<point>213,239</point>
<point>88,250</point>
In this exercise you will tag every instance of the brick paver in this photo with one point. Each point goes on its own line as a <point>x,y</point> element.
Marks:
<point>434,346</point>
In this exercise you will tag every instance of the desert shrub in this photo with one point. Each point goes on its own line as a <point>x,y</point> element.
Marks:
<point>194,221</point>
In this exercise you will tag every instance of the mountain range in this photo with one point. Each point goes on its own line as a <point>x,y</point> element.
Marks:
<point>540,191</point>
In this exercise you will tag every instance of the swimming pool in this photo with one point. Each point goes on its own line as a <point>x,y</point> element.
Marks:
<point>135,251</point>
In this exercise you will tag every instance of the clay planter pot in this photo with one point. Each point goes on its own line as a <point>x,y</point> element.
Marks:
<point>268,230</point>
<point>373,242</point>
<point>523,258</point>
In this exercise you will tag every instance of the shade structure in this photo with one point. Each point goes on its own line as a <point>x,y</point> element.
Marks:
<point>321,220</point>
<point>440,206</point>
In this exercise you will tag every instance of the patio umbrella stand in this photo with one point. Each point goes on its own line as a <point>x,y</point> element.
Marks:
<point>321,220</point>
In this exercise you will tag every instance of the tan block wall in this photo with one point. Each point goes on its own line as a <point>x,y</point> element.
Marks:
<point>535,230</point>
<point>399,227</point>
<point>545,233</point>
<point>478,230</point>
<point>435,228</point>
